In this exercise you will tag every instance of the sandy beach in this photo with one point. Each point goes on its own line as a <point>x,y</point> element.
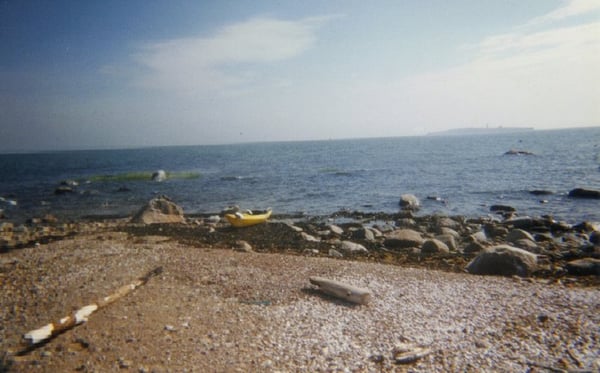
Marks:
<point>216,309</point>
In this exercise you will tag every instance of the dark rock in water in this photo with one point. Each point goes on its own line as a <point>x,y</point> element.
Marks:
<point>539,192</point>
<point>503,260</point>
<point>584,267</point>
<point>403,238</point>
<point>63,189</point>
<point>584,193</point>
<point>123,189</point>
<point>159,210</point>
<point>502,208</point>
<point>69,183</point>
<point>518,152</point>
<point>409,202</point>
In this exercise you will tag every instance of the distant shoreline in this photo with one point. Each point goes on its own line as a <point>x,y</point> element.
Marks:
<point>480,131</point>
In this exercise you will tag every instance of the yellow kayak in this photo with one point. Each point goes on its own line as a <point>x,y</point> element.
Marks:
<point>240,220</point>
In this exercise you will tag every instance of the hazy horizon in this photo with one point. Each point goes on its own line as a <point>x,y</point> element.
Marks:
<point>114,75</point>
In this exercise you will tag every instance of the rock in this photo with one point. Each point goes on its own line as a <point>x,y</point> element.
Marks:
<point>595,237</point>
<point>363,234</point>
<point>494,231</point>
<point>159,175</point>
<point>474,247</point>
<point>502,208</point>
<point>538,192</point>
<point>159,210</point>
<point>584,267</point>
<point>309,238</point>
<point>409,202</point>
<point>518,234</point>
<point>448,240</point>
<point>352,247</point>
<point>63,189</point>
<point>584,193</point>
<point>526,244</point>
<point>478,237</point>
<point>586,226</point>
<point>403,238</point>
<point>526,222</point>
<point>446,222</point>
<point>450,231</point>
<point>335,254</point>
<point>242,246</point>
<point>518,152</point>
<point>433,246</point>
<point>336,230</point>
<point>503,260</point>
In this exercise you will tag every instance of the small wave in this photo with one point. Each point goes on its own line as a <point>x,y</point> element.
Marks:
<point>231,178</point>
<point>336,172</point>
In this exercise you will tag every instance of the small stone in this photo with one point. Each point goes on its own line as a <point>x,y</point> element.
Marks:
<point>242,246</point>
<point>336,230</point>
<point>335,254</point>
<point>170,328</point>
<point>309,238</point>
<point>124,363</point>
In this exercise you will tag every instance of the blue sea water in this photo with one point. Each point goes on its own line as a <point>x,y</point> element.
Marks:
<point>470,173</point>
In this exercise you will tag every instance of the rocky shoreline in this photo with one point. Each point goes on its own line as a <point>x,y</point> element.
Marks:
<point>234,299</point>
<point>557,251</point>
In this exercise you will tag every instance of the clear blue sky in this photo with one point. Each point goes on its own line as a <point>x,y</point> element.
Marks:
<point>103,74</point>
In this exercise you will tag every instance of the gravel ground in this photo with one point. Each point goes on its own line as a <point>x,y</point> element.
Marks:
<point>220,310</point>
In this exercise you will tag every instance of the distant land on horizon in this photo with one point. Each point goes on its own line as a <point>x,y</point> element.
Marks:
<point>479,131</point>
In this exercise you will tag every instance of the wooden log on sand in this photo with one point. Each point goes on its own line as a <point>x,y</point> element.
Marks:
<point>51,330</point>
<point>343,291</point>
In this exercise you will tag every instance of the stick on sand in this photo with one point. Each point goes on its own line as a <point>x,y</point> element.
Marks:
<point>49,331</point>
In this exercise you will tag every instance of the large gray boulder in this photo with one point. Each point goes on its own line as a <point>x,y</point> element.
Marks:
<point>503,260</point>
<point>403,238</point>
<point>409,202</point>
<point>160,210</point>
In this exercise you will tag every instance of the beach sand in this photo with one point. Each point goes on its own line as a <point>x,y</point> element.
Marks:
<point>215,309</point>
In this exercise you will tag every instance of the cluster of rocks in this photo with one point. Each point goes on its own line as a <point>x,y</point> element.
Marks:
<point>34,231</point>
<point>502,244</point>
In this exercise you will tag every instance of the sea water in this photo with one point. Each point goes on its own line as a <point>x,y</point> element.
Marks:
<point>466,174</point>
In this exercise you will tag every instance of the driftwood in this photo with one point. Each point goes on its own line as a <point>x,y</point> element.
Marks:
<point>344,291</point>
<point>49,331</point>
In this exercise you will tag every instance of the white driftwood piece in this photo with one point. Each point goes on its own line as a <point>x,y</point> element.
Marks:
<point>81,315</point>
<point>344,291</point>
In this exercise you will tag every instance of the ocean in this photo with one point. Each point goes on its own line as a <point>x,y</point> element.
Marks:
<point>466,174</point>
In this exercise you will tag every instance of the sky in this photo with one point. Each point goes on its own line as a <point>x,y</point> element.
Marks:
<point>118,74</point>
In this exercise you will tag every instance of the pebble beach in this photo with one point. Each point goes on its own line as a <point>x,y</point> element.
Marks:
<point>218,305</point>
